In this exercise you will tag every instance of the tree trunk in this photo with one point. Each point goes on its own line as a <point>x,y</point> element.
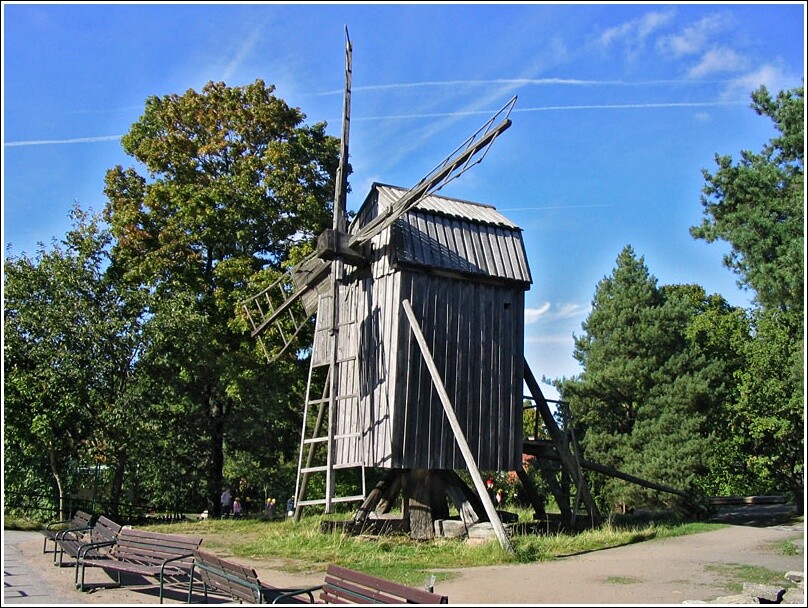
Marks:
<point>798,488</point>
<point>215,484</point>
<point>117,485</point>
<point>425,501</point>
<point>57,478</point>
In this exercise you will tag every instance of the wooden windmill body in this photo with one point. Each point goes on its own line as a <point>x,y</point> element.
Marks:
<point>417,364</point>
<point>463,268</point>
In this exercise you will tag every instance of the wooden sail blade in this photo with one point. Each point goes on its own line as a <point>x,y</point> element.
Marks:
<point>286,305</point>
<point>465,156</point>
<point>278,299</point>
<point>341,186</point>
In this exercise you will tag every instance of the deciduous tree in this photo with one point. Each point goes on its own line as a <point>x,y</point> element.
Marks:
<point>235,182</point>
<point>72,335</point>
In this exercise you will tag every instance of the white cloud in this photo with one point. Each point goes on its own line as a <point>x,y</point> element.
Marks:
<point>718,60</point>
<point>633,34</point>
<point>533,314</point>
<point>694,38</point>
<point>244,51</point>
<point>572,311</point>
<point>771,76</point>
<point>555,312</point>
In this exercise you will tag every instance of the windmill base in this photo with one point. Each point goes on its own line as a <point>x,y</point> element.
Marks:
<point>425,495</point>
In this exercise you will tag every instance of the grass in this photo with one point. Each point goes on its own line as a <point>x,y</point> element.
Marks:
<point>788,547</point>
<point>303,547</point>
<point>622,580</point>
<point>738,574</point>
<point>20,523</point>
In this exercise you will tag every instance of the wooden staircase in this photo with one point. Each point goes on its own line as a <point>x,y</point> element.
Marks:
<point>559,461</point>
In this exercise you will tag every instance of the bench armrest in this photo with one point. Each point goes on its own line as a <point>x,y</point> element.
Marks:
<point>174,559</point>
<point>308,591</point>
<point>84,549</point>
<point>62,533</point>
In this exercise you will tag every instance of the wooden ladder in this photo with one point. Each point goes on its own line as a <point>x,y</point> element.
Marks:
<point>331,416</point>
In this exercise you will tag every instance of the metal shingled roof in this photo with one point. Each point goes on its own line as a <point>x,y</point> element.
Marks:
<point>449,207</point>
<point>458,236</point>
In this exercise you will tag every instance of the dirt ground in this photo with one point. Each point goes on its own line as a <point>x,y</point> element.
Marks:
<point>670,571</point>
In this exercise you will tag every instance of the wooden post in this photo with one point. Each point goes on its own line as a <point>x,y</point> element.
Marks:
<point>479,485</point>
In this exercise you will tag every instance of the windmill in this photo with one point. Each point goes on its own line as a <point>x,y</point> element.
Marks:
<point>417,363</point>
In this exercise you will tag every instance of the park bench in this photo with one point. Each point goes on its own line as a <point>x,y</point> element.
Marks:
<point>144,553</point>
<point>99,538</point>
<point>344,586</point>
<point>239,582</point>
<point>341,586</point>
<point>76,527</point>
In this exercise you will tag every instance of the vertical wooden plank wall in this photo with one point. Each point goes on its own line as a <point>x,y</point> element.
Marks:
<point>475,329</point>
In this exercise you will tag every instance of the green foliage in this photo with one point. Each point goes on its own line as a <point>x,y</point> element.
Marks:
<point>757,206</point>
<point>769,417</point>
<point>236,183</point>
<point>679,387</point>
<point>71,336</point>
<point>651,384</point>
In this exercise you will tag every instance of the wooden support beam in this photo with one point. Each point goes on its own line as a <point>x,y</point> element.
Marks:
<point>479,485</point>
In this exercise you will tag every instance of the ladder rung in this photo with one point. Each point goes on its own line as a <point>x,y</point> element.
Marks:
<point>321,469</point>
<point>324,468</point>
<point>339,398</point>
<point>324,438</point>
<point>322,501</point>
<point>348,498</point>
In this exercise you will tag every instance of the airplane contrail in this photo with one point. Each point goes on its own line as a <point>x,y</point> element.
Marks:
<point>75,140</point>
<point>520,82</point>
<point>619,106</point>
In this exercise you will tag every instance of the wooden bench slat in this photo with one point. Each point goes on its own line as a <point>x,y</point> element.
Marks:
<point>103,531</point>
<point>74,528</point>
<point>345,586</point>
<point>145,553</point>
<point>239,581</point>
<point>341,585</point>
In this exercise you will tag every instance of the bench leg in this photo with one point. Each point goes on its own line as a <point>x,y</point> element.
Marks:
<point>61,557</point>
<point>191,588</point>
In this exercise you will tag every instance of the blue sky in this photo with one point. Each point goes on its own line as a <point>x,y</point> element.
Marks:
<point>619,108</point>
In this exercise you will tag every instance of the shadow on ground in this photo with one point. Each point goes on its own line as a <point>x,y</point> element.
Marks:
<point>759,516</point>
